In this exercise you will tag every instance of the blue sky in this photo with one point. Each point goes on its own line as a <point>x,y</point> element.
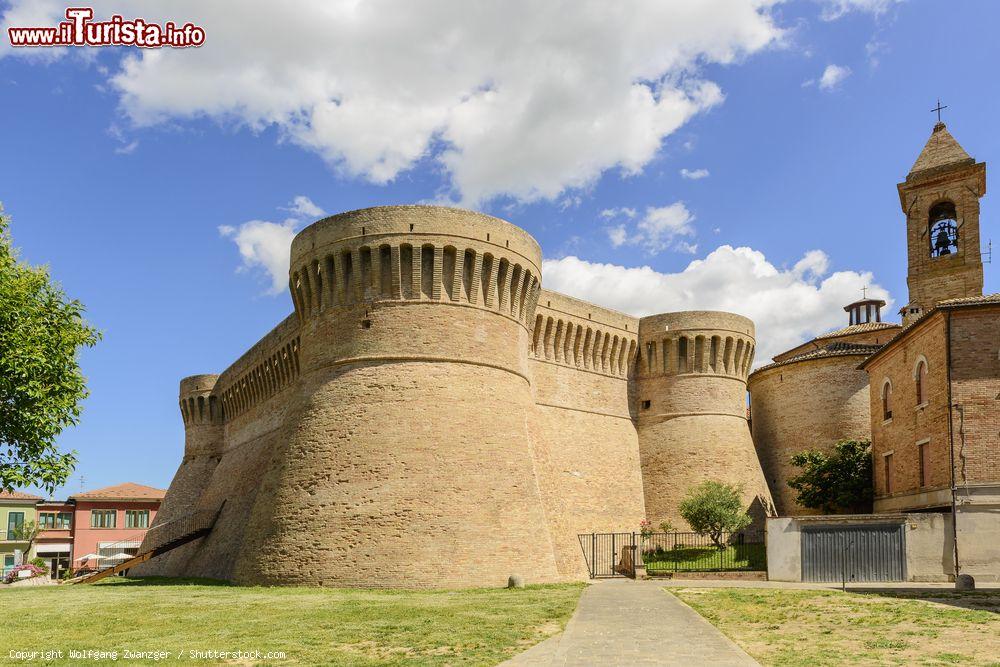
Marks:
<point>140,178</point>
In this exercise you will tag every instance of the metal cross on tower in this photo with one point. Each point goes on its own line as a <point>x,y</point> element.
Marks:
<point>939,108</point>
<point>864,292</point>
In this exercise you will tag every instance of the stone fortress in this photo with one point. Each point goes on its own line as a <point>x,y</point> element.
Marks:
<point>430,415</point>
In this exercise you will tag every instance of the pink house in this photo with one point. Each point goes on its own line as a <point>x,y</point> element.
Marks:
<point>111,522</point>
<point>54,543</point>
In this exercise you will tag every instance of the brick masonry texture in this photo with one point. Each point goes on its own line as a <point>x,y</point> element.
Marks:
<point>429,416</point>
<point>810,403</point>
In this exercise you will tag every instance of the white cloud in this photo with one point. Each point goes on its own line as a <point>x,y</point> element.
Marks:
<point>835,9</point>
<point>303,207</point>
<point>694,174</point>
<point>128,148</point>
<point>264,245</point>
<point>625,211</point>
<point>618,235</point>
<point>375,87</point>
<point>788,306</point>
<point>833,76</point>
<point>655,231</point>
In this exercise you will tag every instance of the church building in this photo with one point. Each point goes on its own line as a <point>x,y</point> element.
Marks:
<point>935,386</point>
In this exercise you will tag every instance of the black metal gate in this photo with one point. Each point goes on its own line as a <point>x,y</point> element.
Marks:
<point>874,552</point>
<point>609,554</point>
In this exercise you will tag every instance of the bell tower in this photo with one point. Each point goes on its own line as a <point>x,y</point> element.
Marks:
<point>940,198</point>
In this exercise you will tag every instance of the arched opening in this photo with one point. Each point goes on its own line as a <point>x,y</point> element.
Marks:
<point>468,265</point>
<point>486,278</point>
<point>406,270</point>
<point>886,400</point>
<point>367,283</point>
<point>942,224</point>
<point>920,381</point>
<point>448,271</point>
<point>385,271</point>
<point>427,271</point>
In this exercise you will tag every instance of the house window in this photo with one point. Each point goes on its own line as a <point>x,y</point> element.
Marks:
<point>920,380</point>
<point>886,401</point>
<point>63,520</point>
<point>888,473</point>
<point>922,461</point>
<point>137,518</point>
<point>46,520</point>
<point>103,518</point>
<point>15,520</point>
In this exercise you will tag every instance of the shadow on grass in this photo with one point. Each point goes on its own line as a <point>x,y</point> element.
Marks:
<point>162,581</point>
<point>981,600</point>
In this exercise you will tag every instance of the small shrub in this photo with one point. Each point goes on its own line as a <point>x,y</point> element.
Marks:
<point>714,508</point>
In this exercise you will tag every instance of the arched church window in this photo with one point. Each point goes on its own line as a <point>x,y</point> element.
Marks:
<point>920,381</point>
<point>943,229</point>
<point>886,401</point>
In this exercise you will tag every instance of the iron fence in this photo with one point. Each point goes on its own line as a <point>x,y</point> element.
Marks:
<point>694,552</point>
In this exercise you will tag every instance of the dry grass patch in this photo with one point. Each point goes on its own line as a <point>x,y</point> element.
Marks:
<point>309,625</point>
<point>803,627</point>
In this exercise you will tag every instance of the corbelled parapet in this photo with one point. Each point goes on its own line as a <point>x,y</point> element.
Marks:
<point>691,392</point>
<point>362,280</point>
<point>203,416</point>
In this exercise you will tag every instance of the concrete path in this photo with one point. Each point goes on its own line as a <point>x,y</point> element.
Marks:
<point>625,622</point>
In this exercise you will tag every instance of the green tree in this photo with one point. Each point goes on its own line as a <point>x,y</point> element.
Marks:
<point>41,385</point>
<point>714,508</point>
<point>835,483</point>
<point>26,532</point>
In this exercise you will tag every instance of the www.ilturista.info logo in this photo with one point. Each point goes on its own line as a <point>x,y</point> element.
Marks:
<point>79,30</point>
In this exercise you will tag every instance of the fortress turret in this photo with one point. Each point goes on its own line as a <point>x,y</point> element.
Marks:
<point>202,414</point>
<point>415,391</point>
<point>692,416</point>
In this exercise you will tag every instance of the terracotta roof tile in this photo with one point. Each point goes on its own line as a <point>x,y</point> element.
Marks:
<point>859,328</point>
<point>831,350</point>
<point>128,490</point>
<point>18,495</point>
<point>948,304</point>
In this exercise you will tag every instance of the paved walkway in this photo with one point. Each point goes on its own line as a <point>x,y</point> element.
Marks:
<point>625,622</point>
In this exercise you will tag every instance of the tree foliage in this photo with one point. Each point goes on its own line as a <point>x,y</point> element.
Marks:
<point>41,384</point>
<point>835,483</point>
<point>26,532</point>
<point>714,508</point>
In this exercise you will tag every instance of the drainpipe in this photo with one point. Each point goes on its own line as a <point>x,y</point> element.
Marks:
<point>951,445</point>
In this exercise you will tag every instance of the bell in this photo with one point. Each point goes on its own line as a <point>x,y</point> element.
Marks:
<point>942,244</point>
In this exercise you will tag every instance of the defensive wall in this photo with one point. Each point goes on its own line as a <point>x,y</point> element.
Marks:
<point>430,416</point>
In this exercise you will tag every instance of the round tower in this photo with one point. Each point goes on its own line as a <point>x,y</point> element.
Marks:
<point>410,464</point>
<point>692,414</point>
<point>202,415</point>
<point>814,395</point>
<point>201,412</point>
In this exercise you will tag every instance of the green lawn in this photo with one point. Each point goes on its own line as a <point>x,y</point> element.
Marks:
<point>803,627</point>
<point>310,625</point>
<point>733,557</point>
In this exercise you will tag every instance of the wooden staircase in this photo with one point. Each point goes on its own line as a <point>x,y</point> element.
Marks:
<point>166,537</point>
